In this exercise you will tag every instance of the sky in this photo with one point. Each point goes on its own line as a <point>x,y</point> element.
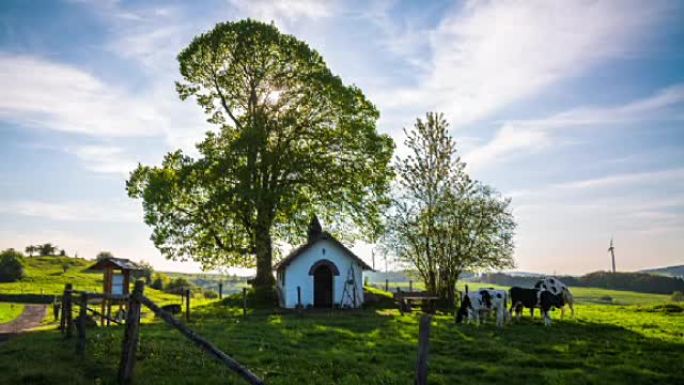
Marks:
<point>574,109</point>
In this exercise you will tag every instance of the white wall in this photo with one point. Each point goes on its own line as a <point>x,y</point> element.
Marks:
<point>297,274</point>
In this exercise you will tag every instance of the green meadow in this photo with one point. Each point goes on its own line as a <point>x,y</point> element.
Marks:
<point>10,311</point>
<point>635,339</point>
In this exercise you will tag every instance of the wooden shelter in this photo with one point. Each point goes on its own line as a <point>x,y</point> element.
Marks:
<point>116,280</point>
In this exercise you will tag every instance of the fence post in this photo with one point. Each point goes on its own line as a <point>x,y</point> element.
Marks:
<point>62,312</point>
<point>187,305</point>
<point>80,344</point>
<point>411,286</point>
<point>387,285</point>
<point>220,290</point>
<point>244,302</point>
<point>131,335</point>
<point>109,312</point>
<point>55,309</point>
<point>68,322</point>
<point>423,346</point>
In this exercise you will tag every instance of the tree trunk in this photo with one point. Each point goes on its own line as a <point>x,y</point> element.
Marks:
<point>263,282</point>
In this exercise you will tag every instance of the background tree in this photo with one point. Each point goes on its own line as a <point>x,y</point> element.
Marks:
<point>11,265</point>
<point>104,255</point>
<point>146,271</point>
<point>30,249</point>
<point>293,140</point>
<point>160,281</point>
<point>47,249</point>
<point>442,222</point>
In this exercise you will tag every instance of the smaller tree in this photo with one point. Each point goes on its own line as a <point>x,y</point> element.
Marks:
<point>146,272</point>
<point>11,265</point>
<point>47,249</point>
<point>30,249</point>
<point>159,282</point>
<point>62,253</point>
<point>442,222</point>
<point>104,255</point>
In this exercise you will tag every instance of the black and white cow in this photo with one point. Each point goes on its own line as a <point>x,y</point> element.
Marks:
<point>555,286</point>
<point>475,306</point>
<point>531,298</point>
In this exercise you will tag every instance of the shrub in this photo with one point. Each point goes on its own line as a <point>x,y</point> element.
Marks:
<point>11,267</point>
<point>677,296</point>
<point>177,284</point>
<point>159,282</point>
<point>210,294</point>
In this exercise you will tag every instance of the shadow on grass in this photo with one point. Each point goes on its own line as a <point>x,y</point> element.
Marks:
<point>354,347</point>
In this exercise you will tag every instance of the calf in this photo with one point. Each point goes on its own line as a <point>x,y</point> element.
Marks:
<point>548,301</point>
<point>476,305</point>
<point>555,286</point>
<point>523,298</point>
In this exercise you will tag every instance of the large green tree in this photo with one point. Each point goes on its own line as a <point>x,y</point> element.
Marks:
<point>442,222</point>
<point>292,140</point>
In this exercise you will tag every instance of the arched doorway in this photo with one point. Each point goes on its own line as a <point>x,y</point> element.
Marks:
<point>323,286</point>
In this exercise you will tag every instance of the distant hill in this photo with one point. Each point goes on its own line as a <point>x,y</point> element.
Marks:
<point>639,282</point>
<point>669,271</point>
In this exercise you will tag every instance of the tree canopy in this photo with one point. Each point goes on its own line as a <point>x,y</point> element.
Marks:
<point>442,222</point>
<point>292,140</point>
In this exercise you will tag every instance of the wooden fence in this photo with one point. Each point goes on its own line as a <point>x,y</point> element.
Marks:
<point>136,300</point>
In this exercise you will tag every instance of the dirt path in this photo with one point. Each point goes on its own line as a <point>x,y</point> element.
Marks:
<point>30,318</point>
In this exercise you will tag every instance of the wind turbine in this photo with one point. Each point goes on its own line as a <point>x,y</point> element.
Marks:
<point>612,253</point>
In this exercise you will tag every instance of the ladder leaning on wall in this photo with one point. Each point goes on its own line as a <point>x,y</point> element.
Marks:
<point>350,291</point>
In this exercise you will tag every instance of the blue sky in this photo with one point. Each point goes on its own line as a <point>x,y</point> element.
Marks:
<point>575,109</point>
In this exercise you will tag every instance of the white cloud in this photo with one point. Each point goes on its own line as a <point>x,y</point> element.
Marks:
<point>525,136</point>
<point>41,93</point>
<point>612,181</point>
<point>284,10</point>
<point>105,159</point>
<point>112,211</point>
<point>486,55</point>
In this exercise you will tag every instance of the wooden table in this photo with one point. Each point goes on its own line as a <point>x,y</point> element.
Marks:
<point>405,298</point>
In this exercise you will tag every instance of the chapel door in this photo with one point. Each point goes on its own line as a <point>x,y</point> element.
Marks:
<point>323,286</point>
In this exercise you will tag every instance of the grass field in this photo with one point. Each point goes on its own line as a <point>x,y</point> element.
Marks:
<point>639,340</point>
<point>10,311</point>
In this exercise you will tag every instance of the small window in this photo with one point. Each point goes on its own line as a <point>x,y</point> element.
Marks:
<point>282,278</point>
<point>117,284</point>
